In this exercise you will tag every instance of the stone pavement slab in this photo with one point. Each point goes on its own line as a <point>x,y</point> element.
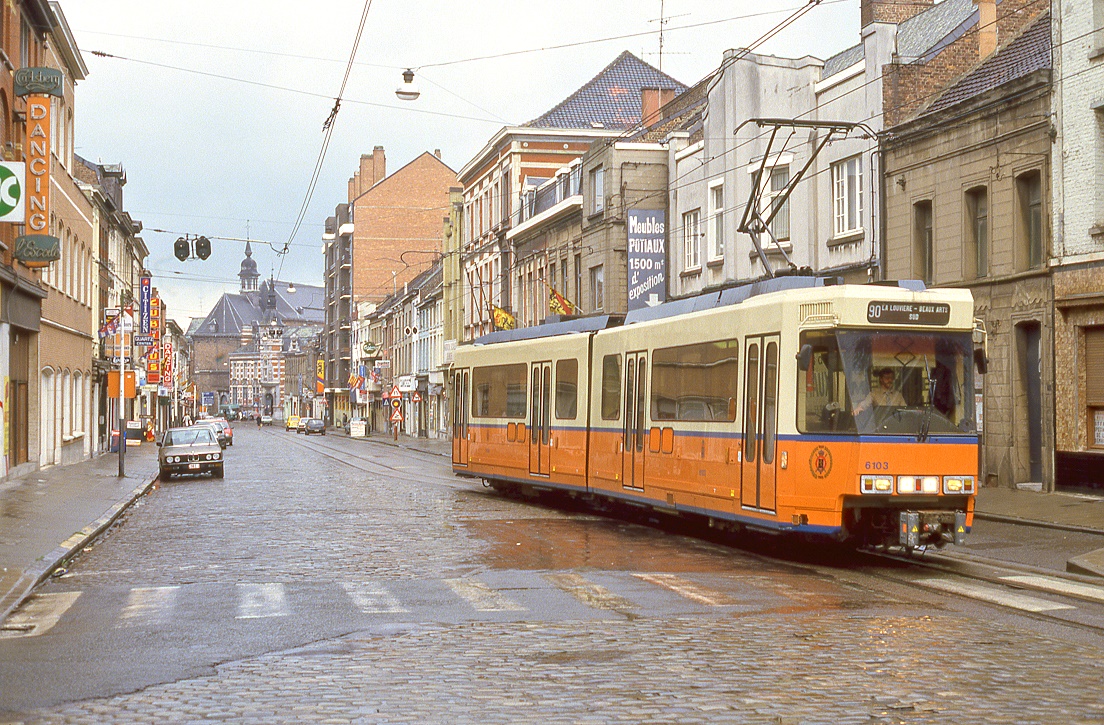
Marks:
<point>48,515</point>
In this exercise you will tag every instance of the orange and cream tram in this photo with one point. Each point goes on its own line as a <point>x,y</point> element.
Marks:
<point>787,406</point>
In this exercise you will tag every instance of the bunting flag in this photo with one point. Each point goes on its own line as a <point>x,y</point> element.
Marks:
<point>558,304</point>
<point>503,320</point>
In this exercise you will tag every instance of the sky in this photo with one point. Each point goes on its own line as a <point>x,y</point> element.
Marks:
<point>216,109</point>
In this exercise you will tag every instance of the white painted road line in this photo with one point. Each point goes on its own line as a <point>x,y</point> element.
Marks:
<point>257,601</point>
<point>38,614</point>
<point>149,605</point>
<point>482,597</point>
<point>1060,586</point>
<point>372,598</point>
<point>995,596</point>
<point>589,593</point>
<point>687,589</point>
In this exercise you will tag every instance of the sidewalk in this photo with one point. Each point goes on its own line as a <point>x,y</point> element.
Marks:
<point>48,515</point>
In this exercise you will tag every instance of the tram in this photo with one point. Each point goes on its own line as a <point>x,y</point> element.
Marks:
<point>791,406</point>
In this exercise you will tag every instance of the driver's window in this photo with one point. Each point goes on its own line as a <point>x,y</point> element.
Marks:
<point>823,404</point>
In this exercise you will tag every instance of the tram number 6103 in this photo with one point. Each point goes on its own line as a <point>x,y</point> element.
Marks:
<point>877,465</point>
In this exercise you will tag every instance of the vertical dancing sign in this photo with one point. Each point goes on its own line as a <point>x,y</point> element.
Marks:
<point>647,258</point>
<point>38,248</point>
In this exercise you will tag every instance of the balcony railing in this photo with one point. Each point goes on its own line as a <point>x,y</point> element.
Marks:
<point>552,192</point>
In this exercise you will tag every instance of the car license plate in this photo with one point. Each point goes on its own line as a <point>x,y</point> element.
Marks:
<point>193,466</point>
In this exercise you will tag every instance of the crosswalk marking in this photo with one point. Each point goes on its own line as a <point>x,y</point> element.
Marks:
<point>38,614</point>
<point>995,596</point>
<point>688,589</point>
<point>257,601</point>
<point>1060,586</point>
<point>589,593</point>
<point>149,605</point>
<point>372,598</point>
<point>482,597</point>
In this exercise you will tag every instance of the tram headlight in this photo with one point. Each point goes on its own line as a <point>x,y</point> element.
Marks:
<point>929,484</point>
<point>877,484</point>
<point>958,484</point>
<point>906,484</point>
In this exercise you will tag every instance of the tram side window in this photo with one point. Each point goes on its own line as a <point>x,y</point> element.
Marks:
<point>822,401</point>
<point>611,387</point>
<point>696,382</point>
<point>567,389</point>
<point>498,391</point>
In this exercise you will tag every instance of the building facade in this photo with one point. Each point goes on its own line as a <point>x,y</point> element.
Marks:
<point>1078,241</point>
<point>967,190</point>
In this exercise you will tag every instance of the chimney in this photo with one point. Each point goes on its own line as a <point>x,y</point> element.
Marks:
<point>987,27</point>
<point>354,186</point>
<point>652,100</point>
<point>891,11</point>
<point>367,169</point>
<point>437,153</point>
<point>379,165</point>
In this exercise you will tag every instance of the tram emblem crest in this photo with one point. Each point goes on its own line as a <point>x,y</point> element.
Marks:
<point>820,463</point>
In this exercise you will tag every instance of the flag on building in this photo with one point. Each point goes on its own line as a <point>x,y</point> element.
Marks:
<point>503,320</point>
<point>558,304</point>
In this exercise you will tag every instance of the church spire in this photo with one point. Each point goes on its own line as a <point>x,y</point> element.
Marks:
<point>248,274</point>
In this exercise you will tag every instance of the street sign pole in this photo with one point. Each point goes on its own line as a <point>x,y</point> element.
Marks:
<point>120,336</point>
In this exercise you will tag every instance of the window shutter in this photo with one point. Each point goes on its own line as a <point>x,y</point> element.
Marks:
<point>1094,365</point>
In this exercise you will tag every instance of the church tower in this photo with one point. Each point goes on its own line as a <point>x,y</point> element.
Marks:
<point>248,273</point>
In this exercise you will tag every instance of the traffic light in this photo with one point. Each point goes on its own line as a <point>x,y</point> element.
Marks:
<point>203,247</point>
<point>182,249</point>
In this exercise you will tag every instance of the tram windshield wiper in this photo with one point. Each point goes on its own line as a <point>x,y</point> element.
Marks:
<point>926,416</point>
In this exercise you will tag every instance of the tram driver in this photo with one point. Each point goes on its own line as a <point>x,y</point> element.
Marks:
<point>882,395</point>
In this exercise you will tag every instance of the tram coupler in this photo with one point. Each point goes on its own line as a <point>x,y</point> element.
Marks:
<point>918,528</point>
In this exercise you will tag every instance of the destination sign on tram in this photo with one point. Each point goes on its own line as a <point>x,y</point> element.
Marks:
<point>908,313</point>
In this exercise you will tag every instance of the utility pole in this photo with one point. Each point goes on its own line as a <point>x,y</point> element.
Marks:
<point>120,336</point>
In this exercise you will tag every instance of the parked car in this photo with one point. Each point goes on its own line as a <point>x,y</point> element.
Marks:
<point>227,430</point>
<point>315,425</point>
<point>301,426</point>
<point>216,429</point>
<point>189,450</point>
<point>292,423</point>
<point>266,420</point>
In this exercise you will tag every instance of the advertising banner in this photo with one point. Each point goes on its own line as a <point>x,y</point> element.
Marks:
<point>647,258</point>
<point>12,176</point>
<point>145,292</point>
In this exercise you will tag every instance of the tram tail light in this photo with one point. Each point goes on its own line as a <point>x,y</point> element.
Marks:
<point>877,484</point>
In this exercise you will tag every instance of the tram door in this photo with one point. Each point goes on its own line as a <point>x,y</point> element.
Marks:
<point>634,428</point>
<point>540,418</point>
<point>758,470</point>
<point>460,408</point>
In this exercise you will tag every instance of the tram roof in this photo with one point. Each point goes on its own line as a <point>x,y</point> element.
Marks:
<point>551,329</point>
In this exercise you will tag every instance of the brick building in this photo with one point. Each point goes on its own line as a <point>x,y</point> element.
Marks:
<point>387,233</point>
<point>967,190</point>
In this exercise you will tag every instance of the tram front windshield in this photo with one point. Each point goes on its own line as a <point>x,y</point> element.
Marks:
<point>877,382</point>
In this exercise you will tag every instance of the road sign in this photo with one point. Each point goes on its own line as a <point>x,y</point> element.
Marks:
<point>396,417</point>
<point>208,398</point>
<point>417,398</point>
<point>395,392</point>
<point>396,403</point>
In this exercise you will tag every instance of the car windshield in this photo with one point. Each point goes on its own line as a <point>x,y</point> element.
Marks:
<point>189,437</point>
<point>887,383</point>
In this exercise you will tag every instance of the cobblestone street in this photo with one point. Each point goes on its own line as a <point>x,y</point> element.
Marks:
<point>329,580</point>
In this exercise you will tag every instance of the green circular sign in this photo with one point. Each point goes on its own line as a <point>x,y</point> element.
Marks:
<point>11,191</point>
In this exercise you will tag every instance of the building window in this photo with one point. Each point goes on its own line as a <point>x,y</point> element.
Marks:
<point>691,238</point>
<point>716,222</point>
<point>847,192</point>
<point>1029,197</point>
<point>578,278</point>
<point>598,184</point>
<point>597,287</point>
<point>922,240</point>
<point>977,232</point>
<point>1094,377</point>
<point>780,225</point>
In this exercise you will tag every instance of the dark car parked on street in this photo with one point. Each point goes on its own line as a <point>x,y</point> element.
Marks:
<point>315,425</point>
<point>189,450</point>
